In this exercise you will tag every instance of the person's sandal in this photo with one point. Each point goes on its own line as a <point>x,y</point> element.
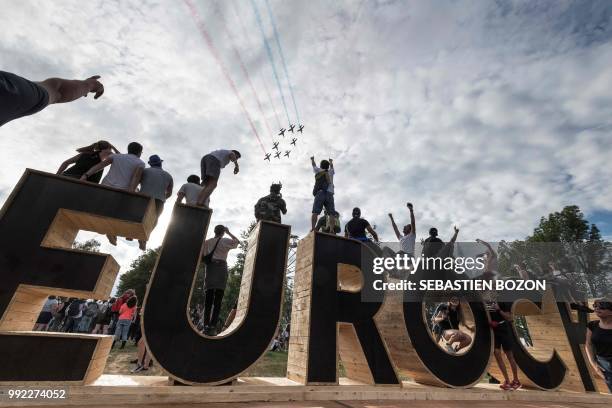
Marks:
<point>516,385</point>
<point>506,386</point>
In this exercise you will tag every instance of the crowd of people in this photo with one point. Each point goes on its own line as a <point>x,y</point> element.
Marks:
<point>20,97</point>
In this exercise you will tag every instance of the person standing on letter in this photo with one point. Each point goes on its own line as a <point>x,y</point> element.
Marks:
<point>211,166</point>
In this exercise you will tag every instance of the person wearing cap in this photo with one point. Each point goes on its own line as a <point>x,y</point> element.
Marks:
<point>125,172</point>
<point>157,183</point>
<point>211,166</point>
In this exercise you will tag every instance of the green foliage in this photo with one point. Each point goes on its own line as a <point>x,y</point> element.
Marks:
<point>139,274</point>
<point>567,239</point>
<point>91,245</point>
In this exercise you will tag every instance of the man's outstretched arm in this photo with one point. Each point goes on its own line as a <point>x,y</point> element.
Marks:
<point>412,220</point>
<point>68,90</point>
<point>397,233</point>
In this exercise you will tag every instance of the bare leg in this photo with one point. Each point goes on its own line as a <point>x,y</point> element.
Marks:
<point>513,365</point>
<point>209,187</point>
<point>313,221</point>
<point>142,245</point>
<point>501,364</point>
<point>112,239</point>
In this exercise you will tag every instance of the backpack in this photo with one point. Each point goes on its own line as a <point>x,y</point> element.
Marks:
<point>332,224</point>
<point>321,182</point>
<point>267,209</point>
<point>74,308</point>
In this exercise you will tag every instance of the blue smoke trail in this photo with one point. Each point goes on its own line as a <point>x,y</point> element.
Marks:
<point>282,56</point>
<point>270,57</point>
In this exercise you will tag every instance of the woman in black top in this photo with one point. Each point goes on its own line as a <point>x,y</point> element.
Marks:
<point>599,341</point>
<point>87,157</point>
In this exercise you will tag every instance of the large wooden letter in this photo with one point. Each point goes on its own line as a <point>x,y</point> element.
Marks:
<point>328,315</point>
<point>38,225</point>
<point>540,366</point>
<point>187,355</point>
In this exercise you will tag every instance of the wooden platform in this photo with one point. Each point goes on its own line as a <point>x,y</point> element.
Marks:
<point>136,391</point>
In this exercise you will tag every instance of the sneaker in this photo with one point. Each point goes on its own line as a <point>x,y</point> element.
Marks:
<point>506,386</point>
<point>138,369</point>
<point>516,385</point>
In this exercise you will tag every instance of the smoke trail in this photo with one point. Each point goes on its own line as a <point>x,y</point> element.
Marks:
<point>270,57</point>
<point>211,46</point>
<point>282,57</point>
<point>265,85</point>
<point>242,66</point>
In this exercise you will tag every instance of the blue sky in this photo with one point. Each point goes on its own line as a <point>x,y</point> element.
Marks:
<point>484,114</point>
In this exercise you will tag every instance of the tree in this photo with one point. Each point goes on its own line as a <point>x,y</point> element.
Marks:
<point>572,243</point>
<point>139,274</point>
<point>91,245</point>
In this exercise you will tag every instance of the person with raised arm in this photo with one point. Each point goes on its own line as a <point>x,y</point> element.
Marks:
<point>408,238</point>
<point>20,97</point>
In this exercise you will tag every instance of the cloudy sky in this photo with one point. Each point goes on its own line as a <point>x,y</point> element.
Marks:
<point>484,114</point>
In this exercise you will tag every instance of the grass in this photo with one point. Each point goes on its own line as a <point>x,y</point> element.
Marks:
<point>272,364</point>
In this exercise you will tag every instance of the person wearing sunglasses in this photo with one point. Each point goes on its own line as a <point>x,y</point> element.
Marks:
<point>599,341</point>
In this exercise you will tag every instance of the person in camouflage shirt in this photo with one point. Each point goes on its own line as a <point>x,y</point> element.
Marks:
<point>270,207</point>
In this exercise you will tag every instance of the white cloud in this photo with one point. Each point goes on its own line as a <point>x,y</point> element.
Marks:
<point>483,114</point>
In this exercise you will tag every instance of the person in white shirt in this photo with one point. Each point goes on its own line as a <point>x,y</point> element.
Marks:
<point>125,172</point>
<point>323,190</point>
<point>211,166</point>
<point>190,191</point>
<point>215,277</point>
<point>408,238</point>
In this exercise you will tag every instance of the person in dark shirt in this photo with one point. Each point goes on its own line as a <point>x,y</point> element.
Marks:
<point>87,158</point>
<point>446,320</point>
<point>432,244</point>
<point>20,97</point>
<point>599,341</point>
<point>356,228</point>
<point>501,321</point>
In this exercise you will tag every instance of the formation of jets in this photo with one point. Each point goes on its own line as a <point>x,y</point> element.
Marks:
<point>281,132</point>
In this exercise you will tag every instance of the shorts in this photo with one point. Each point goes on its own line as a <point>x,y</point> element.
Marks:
<point>210,167</point>
<point>502,337</point>
<point>323,199</point>
<point>44,318</point>
<point>20,97</point>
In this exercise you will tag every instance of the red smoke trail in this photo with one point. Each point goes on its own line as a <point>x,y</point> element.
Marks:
<point>215,53</point>
<point>265,85</point>
<point>242,66</point>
